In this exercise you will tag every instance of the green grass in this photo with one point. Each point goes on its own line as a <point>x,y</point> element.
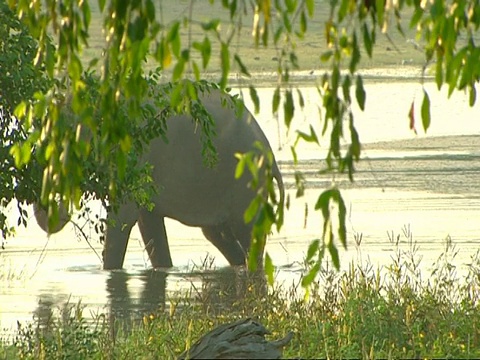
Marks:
<point>398,312</point>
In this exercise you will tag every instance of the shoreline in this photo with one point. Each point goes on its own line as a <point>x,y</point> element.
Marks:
<point>267,79</point>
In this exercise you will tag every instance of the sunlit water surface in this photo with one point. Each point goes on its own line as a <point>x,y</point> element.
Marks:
<point>423,186</point>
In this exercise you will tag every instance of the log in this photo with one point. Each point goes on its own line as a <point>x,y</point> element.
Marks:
<point>242,339</point>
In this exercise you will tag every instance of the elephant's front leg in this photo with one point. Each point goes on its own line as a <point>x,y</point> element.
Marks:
<point>152,228</point>
<point>119,226</point>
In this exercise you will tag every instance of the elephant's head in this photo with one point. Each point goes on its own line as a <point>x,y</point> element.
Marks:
<point>41,216</point>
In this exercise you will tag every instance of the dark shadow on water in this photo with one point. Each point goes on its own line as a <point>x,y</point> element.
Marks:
<point>215,291</point>
<point>226,289</point>
<point>43,315</point>
<point>123,307</point>
<point>131,296</point>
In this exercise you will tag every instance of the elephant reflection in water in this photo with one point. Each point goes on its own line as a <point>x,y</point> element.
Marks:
<point>220,290</point>
<point>45,316</point>
<point>223,289</point>
<point>124,309</point>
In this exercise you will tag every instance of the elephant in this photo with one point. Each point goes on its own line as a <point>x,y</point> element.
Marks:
<point>189,191</point>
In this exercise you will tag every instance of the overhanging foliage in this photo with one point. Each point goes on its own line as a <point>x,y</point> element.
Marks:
<point>446,30</point>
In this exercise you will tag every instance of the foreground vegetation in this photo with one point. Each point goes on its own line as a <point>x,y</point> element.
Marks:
<point>394,312</point>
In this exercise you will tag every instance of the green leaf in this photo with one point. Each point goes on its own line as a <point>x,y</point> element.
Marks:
<point>301,100</point>
<point>173,38</point>
<point>240,165</point>
<point>342,11</point>
<point>196,70</point>
<point>312,249</point>
<point>253,255</point>
<point>416,17</point>
<point>163,53</point>
<point>20,110</point>
<point>367,40</point>
<point>252,209</point>
<point>277,35</point>
<point>286,23</point>
<point>439,72</point>
<point>342,215</point>
<point>176,96</point>
<point>312,137</point>
<point>75,67</point>
<point>355,58</point>
<point>472,95</point>
<point>360,93</point>
<point>269,269</point>
<point>276,100</point>
<point>303,23</point>
<point>225,61</point>
<point>308,279</point>
<point>233,9</point>
<point>326,55</point>
<point>310,7</point>
<point>205,50</point>
<point>241,65</point>
<point>211,25</point>
<point>425,111</point>
<point>411,117</point>
<point>355,141</point>
<point>15,151</point>
<point>294,154</point>
<point>346,85</point>
<point>126,143</point>
<point>380,7</point>
<point>92,63</point>
<point>288,108</point>
<point>291,5</point>
<point>150,10</point>
<point>332,249</point>
<point>50,150</point>
<point>185,56</point>
<point>323,200</point>
<point>178,70</point>
<point>255,98</point>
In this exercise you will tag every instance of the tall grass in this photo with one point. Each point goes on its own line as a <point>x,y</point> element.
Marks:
<point>394,312</point>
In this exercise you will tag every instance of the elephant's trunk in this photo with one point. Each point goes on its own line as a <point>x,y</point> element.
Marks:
<point>41,216</point>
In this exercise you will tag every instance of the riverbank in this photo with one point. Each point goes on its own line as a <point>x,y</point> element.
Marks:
<point>379,74</point>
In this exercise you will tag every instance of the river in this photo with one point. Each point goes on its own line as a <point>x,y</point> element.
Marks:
<point>424,187</point>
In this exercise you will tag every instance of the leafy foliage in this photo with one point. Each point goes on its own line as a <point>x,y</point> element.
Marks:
<point>134,35</point>
<point>69,337</point>
<point>20,79</point>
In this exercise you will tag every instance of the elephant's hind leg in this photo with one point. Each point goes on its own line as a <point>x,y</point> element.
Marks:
<point>154,235</point>
<point>224,240</point>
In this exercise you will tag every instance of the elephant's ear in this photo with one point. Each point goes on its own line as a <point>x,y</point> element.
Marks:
<point>41,216</point>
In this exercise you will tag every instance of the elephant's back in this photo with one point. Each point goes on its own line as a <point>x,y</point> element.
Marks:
<point>189,190</point>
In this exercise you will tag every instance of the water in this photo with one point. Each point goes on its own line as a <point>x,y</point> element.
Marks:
<point>426,184</point>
